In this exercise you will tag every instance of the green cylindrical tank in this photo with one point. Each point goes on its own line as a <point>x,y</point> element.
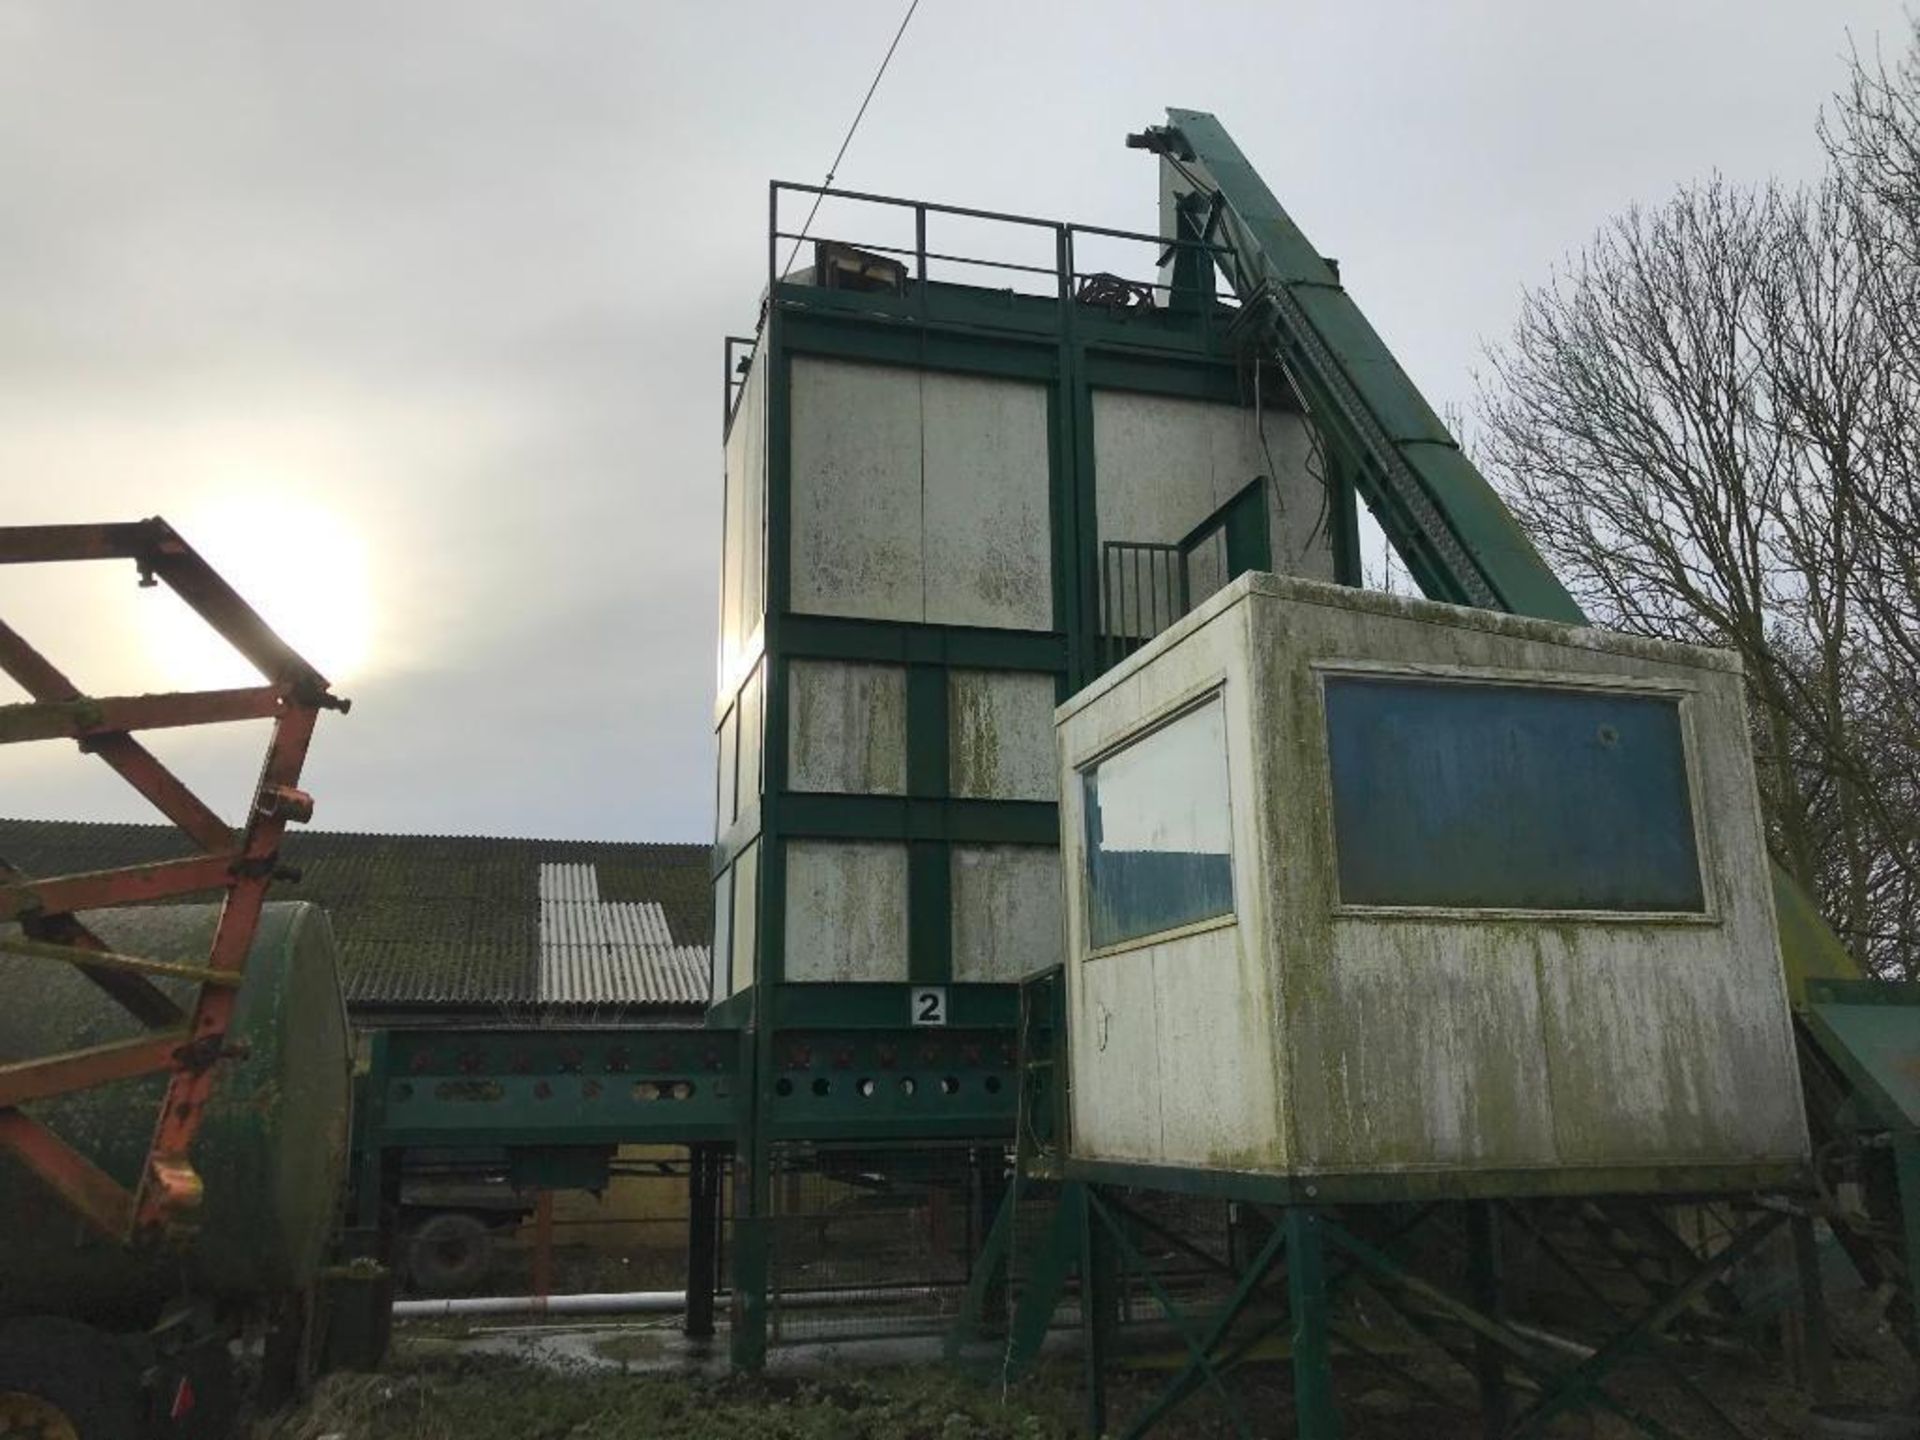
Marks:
<point>272,1149</point>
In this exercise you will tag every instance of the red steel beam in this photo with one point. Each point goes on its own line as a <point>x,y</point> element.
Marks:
<point>103,1201</point>
<point>34,544</point>
<point>169,1184</point>
<point>38,676</point>
<point>132,885</point>
<point>176,563</point>
<point>26,1080</point>
<point>242,865</point>
<point>88,717</point>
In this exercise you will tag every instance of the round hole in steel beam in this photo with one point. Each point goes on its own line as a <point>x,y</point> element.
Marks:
<point>822,1086</point>
<point>865,1086</point>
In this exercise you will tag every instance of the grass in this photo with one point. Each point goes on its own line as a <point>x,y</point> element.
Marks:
<point>502,1400</point>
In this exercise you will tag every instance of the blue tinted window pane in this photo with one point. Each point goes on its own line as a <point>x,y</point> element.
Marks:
<point>1157,831</point>
<point>1509,796</point>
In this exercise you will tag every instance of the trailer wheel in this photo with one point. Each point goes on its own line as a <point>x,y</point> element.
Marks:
<point>449,1252</point>
<point>60,1380</point>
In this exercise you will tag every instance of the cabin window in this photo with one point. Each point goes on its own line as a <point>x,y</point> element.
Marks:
<point>1158,850</point>
<point>1476,795</point>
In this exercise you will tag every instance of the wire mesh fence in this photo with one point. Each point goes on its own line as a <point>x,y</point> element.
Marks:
<point>873,1242</point>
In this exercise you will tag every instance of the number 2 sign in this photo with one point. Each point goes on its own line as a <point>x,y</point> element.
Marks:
<point>929,1004</point>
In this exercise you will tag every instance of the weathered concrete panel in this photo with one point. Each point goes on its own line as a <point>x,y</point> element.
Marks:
<point>1207,1057</point>
<point>847,728</point>
<point>1116,1065</point>
<point>1217,1087</point>
<point>1006,911</point>
<point>742,565</point>
<point>846,910</point>
<point>989,527</point>
<point>727,746</point>
<point>746,916</point>
<point>858,545</point>
<point>1163,464</point>
<point>1000,735</point>
<point>752,739</point>
<point>723,935</point>
<point>1595,1046</point>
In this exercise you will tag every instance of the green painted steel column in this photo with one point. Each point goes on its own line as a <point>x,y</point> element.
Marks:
<point>1817,1341</point>
<point>1099,1297</point>
<point>1484,1277</point>
<point>1315,1415</point>
<point>1906,1169</point>
<point>704,1170</point>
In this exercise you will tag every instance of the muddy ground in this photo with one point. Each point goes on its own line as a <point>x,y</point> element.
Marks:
<point>439,1388</point>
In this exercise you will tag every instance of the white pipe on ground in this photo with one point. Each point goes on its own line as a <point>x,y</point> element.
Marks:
<point>618,1302</point>
<point>628,1302</point>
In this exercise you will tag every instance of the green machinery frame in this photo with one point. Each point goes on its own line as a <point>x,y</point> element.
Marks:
<point>786,1063</point>
<point>1867,1035</point>
<point>1461,545</point>
<point>826,1062</point>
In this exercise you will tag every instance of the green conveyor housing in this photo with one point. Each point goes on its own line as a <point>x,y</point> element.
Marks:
<point>1459,540</point>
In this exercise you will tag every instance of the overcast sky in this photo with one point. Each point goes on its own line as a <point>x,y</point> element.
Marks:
<point>409,314</point>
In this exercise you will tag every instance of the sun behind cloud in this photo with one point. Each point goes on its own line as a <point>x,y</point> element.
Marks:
<point>303,566</point>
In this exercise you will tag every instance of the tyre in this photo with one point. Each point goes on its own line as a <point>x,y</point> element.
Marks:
<point>449,1252</point>
<point>60,1380</point>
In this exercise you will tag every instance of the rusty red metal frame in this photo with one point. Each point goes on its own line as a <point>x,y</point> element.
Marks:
<point>187,1043</point>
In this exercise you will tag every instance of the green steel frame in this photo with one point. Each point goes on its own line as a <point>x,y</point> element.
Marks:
<point>1462,545</point>
<point>1092,1241</point>
<point>808,1042</point>
<point>1460,542</point>
<point>1876,1108</point>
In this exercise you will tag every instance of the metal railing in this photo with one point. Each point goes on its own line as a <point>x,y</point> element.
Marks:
<point>1143,590</point>
<point>1069,282</point>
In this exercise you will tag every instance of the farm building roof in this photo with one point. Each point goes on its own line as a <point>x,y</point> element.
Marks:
<point>506,928</point>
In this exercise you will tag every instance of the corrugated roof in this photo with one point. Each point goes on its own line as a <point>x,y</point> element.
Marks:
<point>461,921</point>
<point>623,951</point>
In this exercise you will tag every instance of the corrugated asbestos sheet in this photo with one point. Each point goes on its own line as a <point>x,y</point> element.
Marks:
<point>458,922</point>
<point>595,951</point>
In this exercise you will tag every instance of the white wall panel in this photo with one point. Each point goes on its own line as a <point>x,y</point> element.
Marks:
<point>856,490</point>
<point>1000,735</point>
<point>752,740</point>
<point>723,935</point>
<point>746,926</point>
<point>847,728</point>
<point>989,526</point>
<point>742,593</point>
<point>1163,464</point>
<point>846,910</point>
<point>920,496</point>
<point>1006,911</point>
<point>727,744</point>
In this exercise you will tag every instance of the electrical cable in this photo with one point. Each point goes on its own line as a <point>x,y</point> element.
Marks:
<point>841,154</point>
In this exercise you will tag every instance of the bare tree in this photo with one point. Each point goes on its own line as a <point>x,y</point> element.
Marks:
<point>1710,423</point>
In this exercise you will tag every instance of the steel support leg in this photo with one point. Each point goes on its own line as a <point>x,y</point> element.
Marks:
<point>751,1223</point>
<point>1817,1342</point>
<point>1099,1294</point>
<point>1484,1277</point>
<point>990,1192</point>
<point>1906,1167</point>
<point>703,1237</point>
<point>1316,1417</point>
